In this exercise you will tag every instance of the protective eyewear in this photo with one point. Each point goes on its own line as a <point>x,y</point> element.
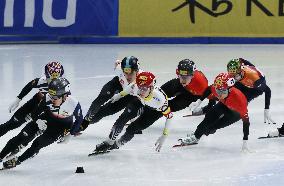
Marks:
<point>221,91</point>
<point>185,77</point>
<point>55,97</point>
<point>52,94</point>
<point>143,89</point>
<point>184,73</point>
<point>53,75</point>
<point>127,70</point>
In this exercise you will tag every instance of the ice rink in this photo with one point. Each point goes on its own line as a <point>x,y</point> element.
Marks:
<point>216,160</point>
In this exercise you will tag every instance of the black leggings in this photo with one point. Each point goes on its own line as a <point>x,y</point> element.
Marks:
<point>216,118</point>
<point>181,99</point>
<point>19,116</point>
<point>148,117</point>
<point>48,137</point>
<point>112,108</point>
<point>27,134</point>
<point>132,110</point>
<point>250,93</point>
<point>109,89</point>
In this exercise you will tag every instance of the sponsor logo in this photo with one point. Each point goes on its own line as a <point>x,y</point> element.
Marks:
<point>47,17</point>
<point>223,7</point>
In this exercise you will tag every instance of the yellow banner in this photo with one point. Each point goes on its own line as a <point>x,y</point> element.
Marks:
<point>194,18</point>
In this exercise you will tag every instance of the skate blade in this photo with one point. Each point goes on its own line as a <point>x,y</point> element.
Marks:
<point>184,145</point>
<point>98,152</point>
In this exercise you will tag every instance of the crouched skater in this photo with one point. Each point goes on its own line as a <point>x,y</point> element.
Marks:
<point>50,121</point>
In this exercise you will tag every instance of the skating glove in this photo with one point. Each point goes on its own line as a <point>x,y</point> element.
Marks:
<point>14,105</point>
<point>117,62</point>
<point>41,124</point>
<point>195,105</point>
<point>245,148</point>
<point>65,139</point>
<point>197,112</point>
<point>159,143</point>
<point>161,140</point>
<point>267,117</point>
<point>115,97</point>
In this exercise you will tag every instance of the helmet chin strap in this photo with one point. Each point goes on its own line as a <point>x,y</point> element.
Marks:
<point>227,94</point>
<point>149,96</point>
<point>151,90</point>
<point>240,75</point>
<point>188,82</point>
<point>63,98</point>
<point>150,93</point>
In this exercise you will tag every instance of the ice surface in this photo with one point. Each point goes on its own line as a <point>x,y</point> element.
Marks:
<point>216,160</point>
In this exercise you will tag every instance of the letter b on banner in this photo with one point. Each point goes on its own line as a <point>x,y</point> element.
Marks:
<point>46,14</point>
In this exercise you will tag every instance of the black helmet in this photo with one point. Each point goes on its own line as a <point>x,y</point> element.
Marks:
<point>186,67</point>
<point>129,64</point>
<point>59,87</point>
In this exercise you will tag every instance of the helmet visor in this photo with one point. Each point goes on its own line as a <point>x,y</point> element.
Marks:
<point>221,92</point>
<point>54,75</point>
<point>53,94</point>
<point>54,97</point>
<point>143,88</point>
<point>127,70</point>
<point>184,73</point>
<point>144,91</point>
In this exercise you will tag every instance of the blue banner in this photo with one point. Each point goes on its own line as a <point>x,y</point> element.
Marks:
<point>59,17</point>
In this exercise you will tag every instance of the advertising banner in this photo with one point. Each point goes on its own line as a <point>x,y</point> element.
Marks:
<point>59,17</point>
<point>201,18</point>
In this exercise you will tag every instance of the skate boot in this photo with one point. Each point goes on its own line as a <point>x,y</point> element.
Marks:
<point>189,140</point>
<point>114,146</point>
<point>274,133</point>
<point>102,147</point>
<point>11,163</point>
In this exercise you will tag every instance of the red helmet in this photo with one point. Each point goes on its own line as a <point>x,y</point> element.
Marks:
<point>145,79</point>
<point>53,70</point>
<point>223,81</point>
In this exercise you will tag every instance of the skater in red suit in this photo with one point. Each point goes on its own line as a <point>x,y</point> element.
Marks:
<point>232,107</point>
